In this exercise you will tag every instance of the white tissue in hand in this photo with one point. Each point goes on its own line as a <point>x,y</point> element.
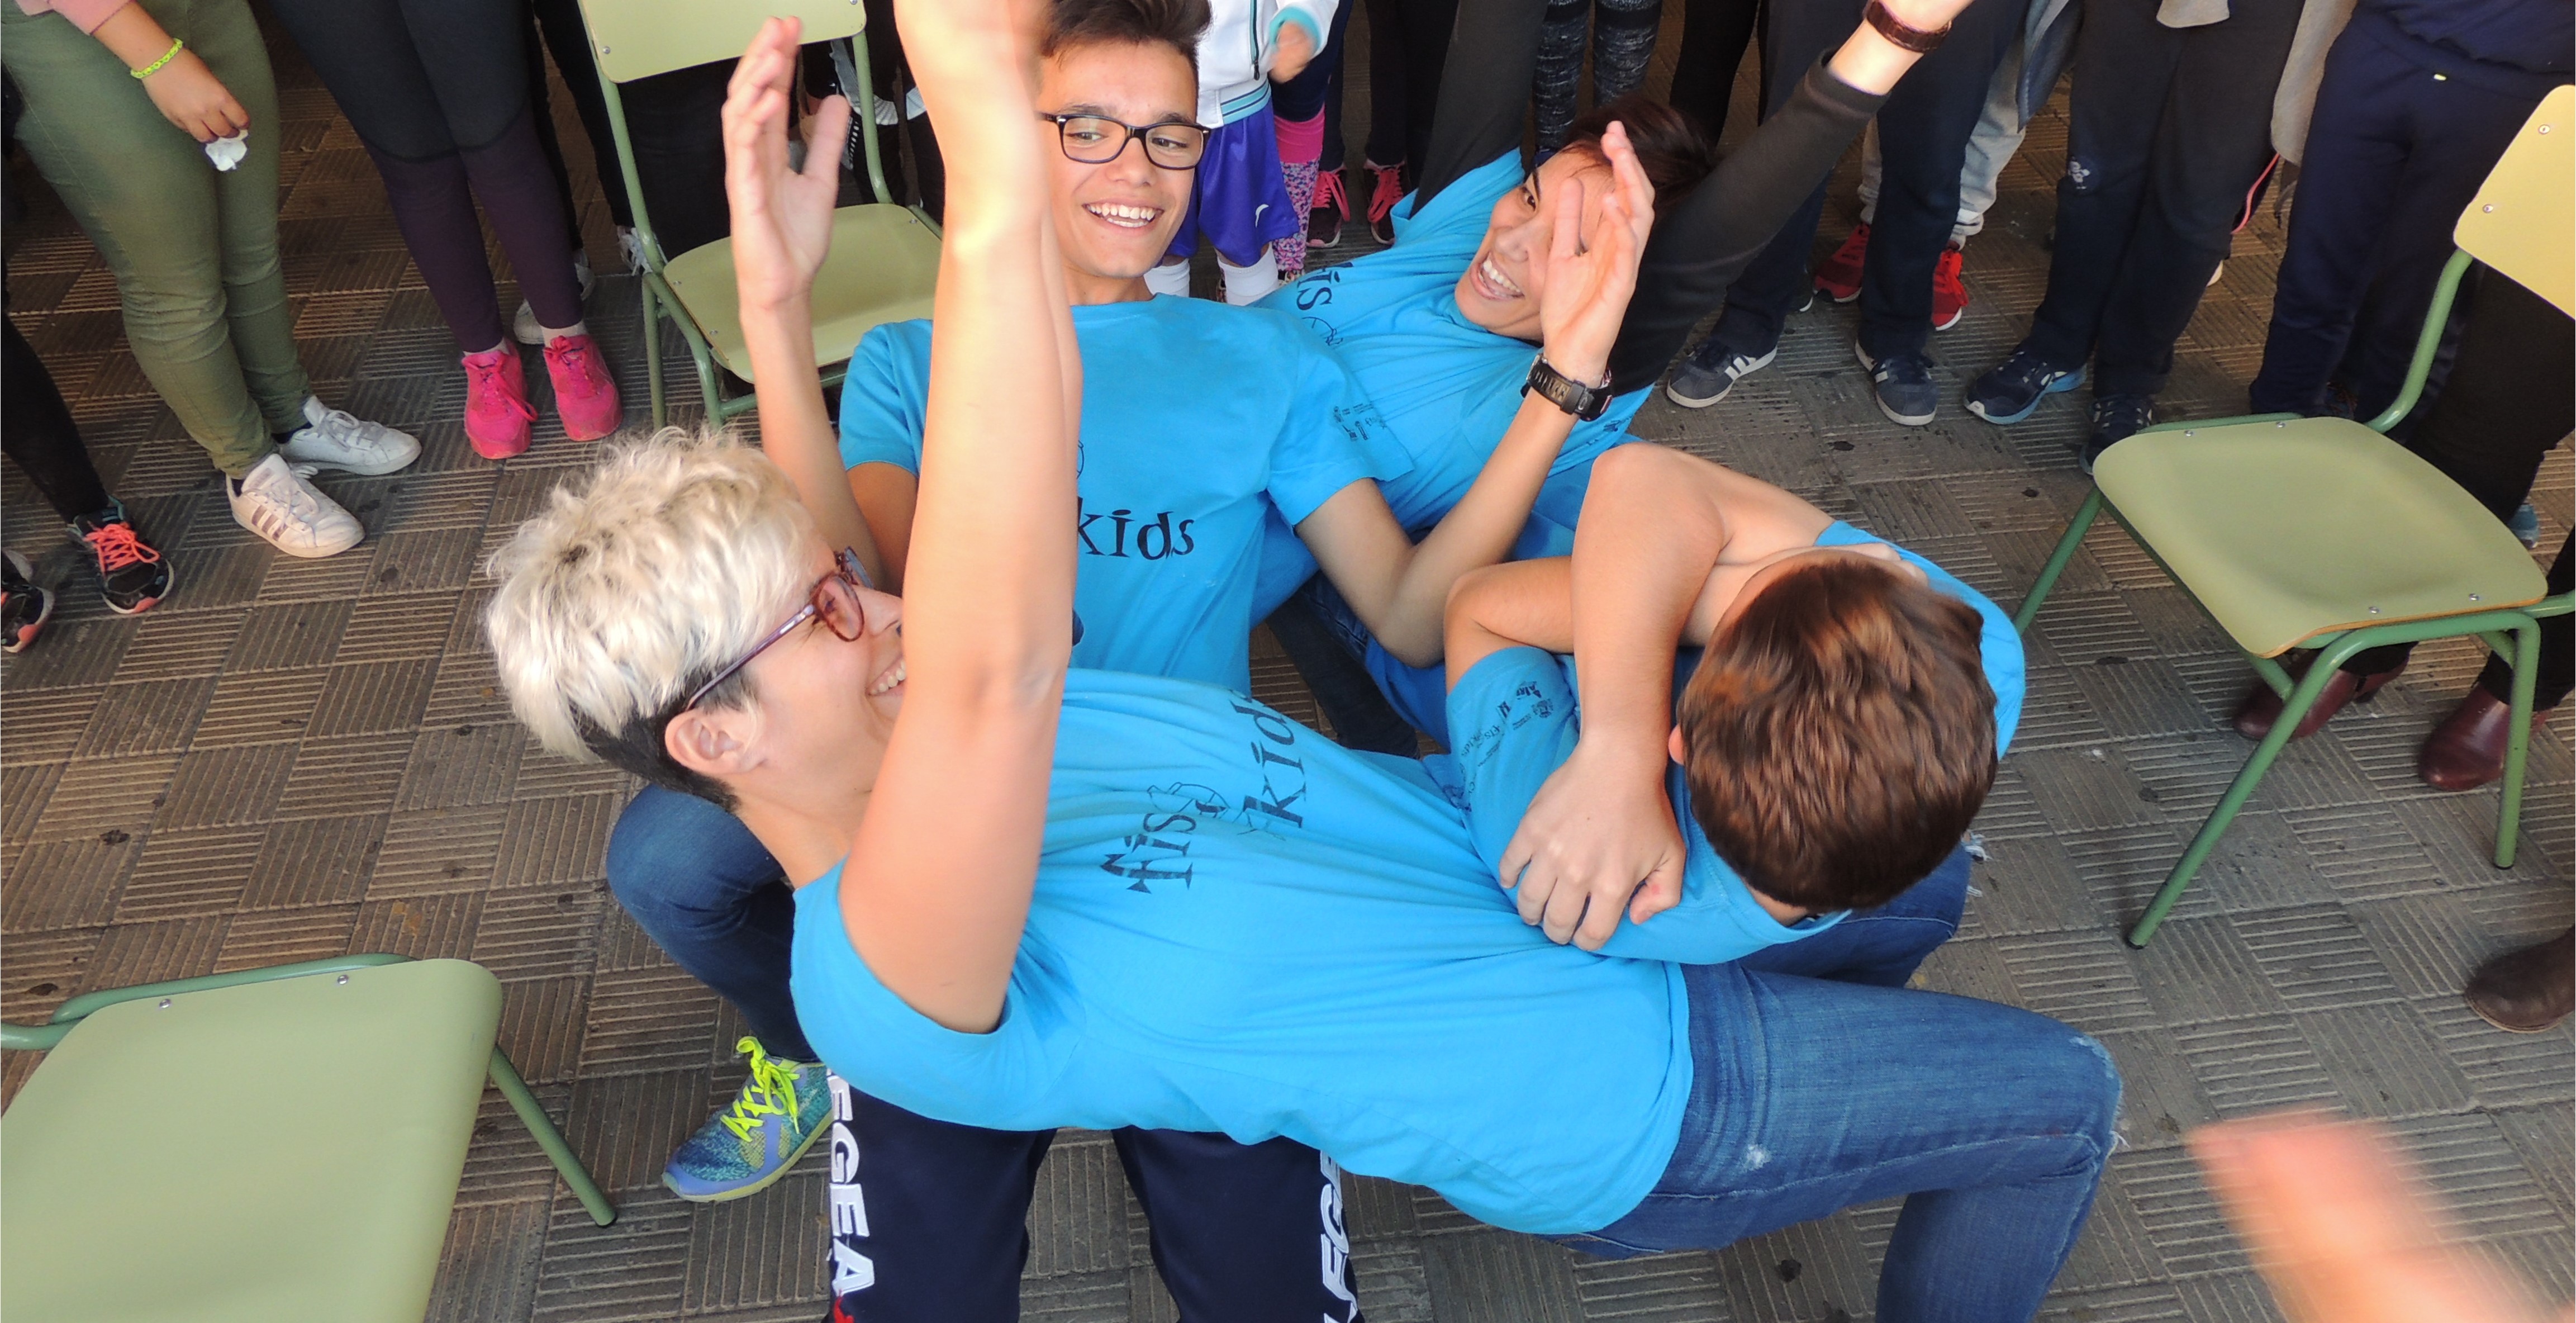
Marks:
<point>228,152</point>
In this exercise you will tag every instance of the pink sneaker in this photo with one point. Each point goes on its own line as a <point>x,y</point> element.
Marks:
<point>585,395</point>
<point>496,402</point>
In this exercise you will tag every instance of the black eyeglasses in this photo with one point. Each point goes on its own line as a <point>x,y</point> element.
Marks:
<point>1098,140</point>
<point>834,599</point>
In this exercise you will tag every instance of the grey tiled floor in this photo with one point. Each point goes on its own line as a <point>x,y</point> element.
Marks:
<point>291,759</point>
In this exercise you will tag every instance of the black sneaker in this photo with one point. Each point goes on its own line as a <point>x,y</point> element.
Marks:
<point>1332,208</point>
<point>1906,393</point>
<point>1712,370</point>
<point>131,575</point>
<point>2116,418</point>
<point>2017,385</point>
<point>24,607</point>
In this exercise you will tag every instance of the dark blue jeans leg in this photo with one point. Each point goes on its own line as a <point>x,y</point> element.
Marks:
<point>1923,135</point>
<point>1812,1096</point>
<point>700,885</point>
<point>1880,947</point>
<point>2124,62</point>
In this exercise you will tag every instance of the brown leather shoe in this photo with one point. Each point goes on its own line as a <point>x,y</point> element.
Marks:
<point>2527,991</point>
<point>2262,707</point>
<point>2467,750</point>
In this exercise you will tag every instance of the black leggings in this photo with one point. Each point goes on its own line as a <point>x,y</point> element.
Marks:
<point>37,431</point>
<point>2507,404</point>
<point>1408,46</point>
<point>438,92</point>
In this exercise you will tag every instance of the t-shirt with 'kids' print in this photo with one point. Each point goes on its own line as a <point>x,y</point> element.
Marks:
<point>1201,424</point>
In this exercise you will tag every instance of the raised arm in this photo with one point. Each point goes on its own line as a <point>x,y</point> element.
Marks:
<point>1726,222</point>
<point>936,889</point>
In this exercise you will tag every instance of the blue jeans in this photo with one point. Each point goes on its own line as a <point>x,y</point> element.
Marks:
<point>1812,1095</point>
<point>700,885</point>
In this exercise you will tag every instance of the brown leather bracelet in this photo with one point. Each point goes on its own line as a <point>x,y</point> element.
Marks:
<point>1899,34</point>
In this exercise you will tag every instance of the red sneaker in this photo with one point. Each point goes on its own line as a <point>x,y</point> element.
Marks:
<point>585,395</point>
<point>1839,275</point>
<point>1949,293</point>
<point>496,403</point>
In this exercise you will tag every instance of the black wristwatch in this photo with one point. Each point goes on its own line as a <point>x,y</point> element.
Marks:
<point>1584,402</point>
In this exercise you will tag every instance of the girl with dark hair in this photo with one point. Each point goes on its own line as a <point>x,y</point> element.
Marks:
<point>438,92</point>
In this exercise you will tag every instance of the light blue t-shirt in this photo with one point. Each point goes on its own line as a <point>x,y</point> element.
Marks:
<point>1448,387</point>
<point>1200,424</point>
<point>1240,926</point>
<point>1515,719</point>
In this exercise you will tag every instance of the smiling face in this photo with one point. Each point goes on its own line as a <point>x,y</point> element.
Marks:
<point>1502,287</point>
<point>1114,221</point>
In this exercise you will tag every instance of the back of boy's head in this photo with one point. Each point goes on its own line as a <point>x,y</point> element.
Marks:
<point>1175,25</point>
<point>1840,734</point>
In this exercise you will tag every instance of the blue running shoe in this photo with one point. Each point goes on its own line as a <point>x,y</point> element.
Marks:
<point>2016,386</point>
<point>782,1109</point>
<point>1905,390</point>
<point>2116,418</point>
<point>1711,371</point>
<point>2526,526</point>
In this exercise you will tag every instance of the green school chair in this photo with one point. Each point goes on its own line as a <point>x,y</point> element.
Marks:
<point>884,260</point>
<point>275,1145</point>
<point>2321,532</point>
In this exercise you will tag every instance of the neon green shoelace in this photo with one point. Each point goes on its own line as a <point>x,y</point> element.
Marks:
<point>771,1091</point>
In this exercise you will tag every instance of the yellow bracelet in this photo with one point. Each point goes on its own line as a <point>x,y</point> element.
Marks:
<point>166,57</point>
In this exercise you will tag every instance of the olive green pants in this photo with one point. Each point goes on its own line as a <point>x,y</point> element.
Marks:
<point>194,249</point>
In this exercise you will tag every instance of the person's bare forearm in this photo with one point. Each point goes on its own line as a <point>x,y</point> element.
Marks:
<point>1477,532</point>
<point>1525,603</point>
<point>133,36</point>
<point>1647,541</point>
<point>796,431</point>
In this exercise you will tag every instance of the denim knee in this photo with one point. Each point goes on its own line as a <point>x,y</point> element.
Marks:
<point>677,860</point>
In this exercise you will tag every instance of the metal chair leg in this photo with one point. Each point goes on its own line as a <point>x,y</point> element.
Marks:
<point>505,1077</point>
<point>2057,560</point>
<point>2517,748</point>
<point>2238,791</point>
<point>653,352</point>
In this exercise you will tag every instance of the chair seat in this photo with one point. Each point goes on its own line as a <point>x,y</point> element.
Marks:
<point>268,1153</point>
<point>2290,530</point>
<point>883,267</point>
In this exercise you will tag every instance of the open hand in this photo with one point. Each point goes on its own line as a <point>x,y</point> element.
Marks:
<point>1597,841</point>
<point>782,217</point>
<point>1589,278</point>
<point>188,94</point>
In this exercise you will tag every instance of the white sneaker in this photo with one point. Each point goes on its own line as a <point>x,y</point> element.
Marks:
<point>276,502</point>
<point>524,327</point>
<point>338,439</point>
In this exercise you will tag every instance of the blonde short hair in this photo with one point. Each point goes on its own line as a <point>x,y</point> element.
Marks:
<point>637,583</point>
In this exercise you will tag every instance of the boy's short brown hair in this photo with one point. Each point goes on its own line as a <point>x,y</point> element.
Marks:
<point>1840,734</point>
<point>1175,25</point>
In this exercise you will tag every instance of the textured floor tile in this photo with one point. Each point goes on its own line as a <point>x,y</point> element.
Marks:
<point>2200,969</point>
<point>2181,1216</point>
<point>1082,1298</point>
<point>422,927</point>
<point>288,634</point>
<point>372,699</point>
<point>2315,956</point>
<point>647,1020</point>
<point>104,795</point>
<point>314,861</point>
<point>546,842</point>
<point>67,884</point>
<point>762,1251</point>
<point>2138,696</point>
<point>627,1126</point>
<point>1661,1288</point>
<point>538,933</point>
<point>2504,1069</point>
<point>2227,1297</point>
<point>2545,1136</point>
<point>634,1269</point>
<point>2150,1303</point>
<point>437,850</point>
<point>285,937</point>
<point>2477,1172</point>
<point>45,729</point>
<point>153,717</point>
<point>261,707</point>
<point>2257,1065</point>
<point>2429,942</point>
<point>2383,1061</point>
<point>183,874</point>
<point>2087,979</point>
<point>2364,851</point>
<point>45,970</point>
<point>1077,1212</point>
<point>1498,1277</point>
<point>224,787</point>
<point>542,1025</point>
<point>132,953</point>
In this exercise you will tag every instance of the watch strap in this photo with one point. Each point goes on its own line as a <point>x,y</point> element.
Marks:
<point>1583,402</point>
<point>1898,33</point>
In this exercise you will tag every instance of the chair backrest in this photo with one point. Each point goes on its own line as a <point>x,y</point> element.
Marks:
<point>638,38</point>
<point>2523,217</point>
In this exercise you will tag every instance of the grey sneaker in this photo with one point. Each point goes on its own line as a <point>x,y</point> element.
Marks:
<point>276,501</point>
<point>523,324</point>
<point>337,439</point>
<point>1905,390</point>
<point>1711,371</point>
